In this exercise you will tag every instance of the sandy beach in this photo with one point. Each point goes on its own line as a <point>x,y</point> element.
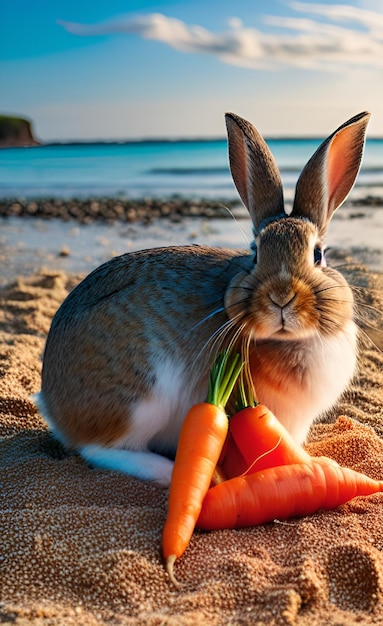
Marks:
<point>82,546</point>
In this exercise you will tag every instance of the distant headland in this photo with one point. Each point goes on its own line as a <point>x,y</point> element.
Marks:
<point>16,131</point>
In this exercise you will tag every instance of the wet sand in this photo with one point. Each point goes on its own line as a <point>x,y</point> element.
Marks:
<point>29,244</point>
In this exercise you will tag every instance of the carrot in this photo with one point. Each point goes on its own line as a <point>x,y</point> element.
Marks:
<point>256,439</point>
<point>231,462</point>
<point>262,441</point>
<point>201,440</point>
<point>281,493</point>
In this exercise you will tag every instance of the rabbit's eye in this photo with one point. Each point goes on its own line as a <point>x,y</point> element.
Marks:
<point>319,258</point>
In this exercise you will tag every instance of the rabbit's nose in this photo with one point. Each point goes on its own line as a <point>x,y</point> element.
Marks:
<point>282,300</point>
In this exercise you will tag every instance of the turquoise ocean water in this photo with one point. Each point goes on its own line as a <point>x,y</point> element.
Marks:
<point>157,169</point>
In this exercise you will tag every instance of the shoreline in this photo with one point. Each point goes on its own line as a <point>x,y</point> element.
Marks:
<point>115,208</point>
<point>78,236</point>
<point>112,209</point>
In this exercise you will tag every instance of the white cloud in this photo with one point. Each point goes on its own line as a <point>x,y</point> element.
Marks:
<point>374,5</point>
<point>299,42</point>
<point>342,13</point>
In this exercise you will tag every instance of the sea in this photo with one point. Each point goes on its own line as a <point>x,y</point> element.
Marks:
<point>161,169</point>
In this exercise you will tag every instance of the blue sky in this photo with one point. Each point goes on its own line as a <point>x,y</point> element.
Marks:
<point>92,69</point>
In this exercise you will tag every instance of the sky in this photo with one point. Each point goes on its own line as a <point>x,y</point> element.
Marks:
<point>136,69</point>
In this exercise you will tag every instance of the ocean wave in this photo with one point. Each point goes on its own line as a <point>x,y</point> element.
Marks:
<point>188,171</point>
<point>224,171</point>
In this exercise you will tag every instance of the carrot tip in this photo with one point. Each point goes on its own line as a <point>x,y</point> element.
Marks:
<point>170,569</point>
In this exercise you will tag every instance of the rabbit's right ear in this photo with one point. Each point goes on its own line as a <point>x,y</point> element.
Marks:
<point>329,175</point>
<point>254,170</point>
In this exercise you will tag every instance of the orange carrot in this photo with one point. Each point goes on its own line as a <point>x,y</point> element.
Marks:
<point>281,493</point>
<point>231,462</point>
<point>200,444</point>
<point>263,441</point>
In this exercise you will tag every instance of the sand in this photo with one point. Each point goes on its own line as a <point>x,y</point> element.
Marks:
<point>82,546</point>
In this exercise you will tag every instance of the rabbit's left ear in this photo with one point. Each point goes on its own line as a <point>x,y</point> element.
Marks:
<point>329,175</point>
<point>254,170</point>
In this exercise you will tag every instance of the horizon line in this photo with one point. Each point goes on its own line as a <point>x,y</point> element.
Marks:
<point>181,139</point>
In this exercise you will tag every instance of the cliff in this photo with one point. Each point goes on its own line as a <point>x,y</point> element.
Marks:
<point>16,131</point>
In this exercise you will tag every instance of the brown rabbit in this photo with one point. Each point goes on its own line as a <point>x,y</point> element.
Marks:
<point>130,348</point>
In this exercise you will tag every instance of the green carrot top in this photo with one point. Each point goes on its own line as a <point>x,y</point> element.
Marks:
<point>229,377</point>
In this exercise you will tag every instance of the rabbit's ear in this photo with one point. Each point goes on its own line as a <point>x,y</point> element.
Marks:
<point>254,170</point>
<point>328,177</point>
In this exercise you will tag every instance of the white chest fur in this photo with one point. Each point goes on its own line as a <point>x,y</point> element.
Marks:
<point>326,367</point>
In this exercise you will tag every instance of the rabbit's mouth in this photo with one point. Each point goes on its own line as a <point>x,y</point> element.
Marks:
<point>285,333</point>
<point>293,318</point>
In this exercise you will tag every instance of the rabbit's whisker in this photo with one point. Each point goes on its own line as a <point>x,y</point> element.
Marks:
<point>244,288</point>
<point>344,266</point>
<point>206,318</point>
<point>246,358</point>
<point>368,307</point>
<point>216,338</point>
<point>238,332</point>
<point>236,303</point>
<point>329,288</point>
<point>236,222</point>
<point>366,337</point>
<point>360,288</point>
<point>330,323</point>
<point>366,316</point>
<point>338,301</point>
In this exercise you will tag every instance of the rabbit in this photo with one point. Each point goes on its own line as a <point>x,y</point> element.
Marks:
<point>130,348</point>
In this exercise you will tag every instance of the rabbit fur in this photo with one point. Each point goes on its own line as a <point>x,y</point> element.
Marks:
<point>130,348</point>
